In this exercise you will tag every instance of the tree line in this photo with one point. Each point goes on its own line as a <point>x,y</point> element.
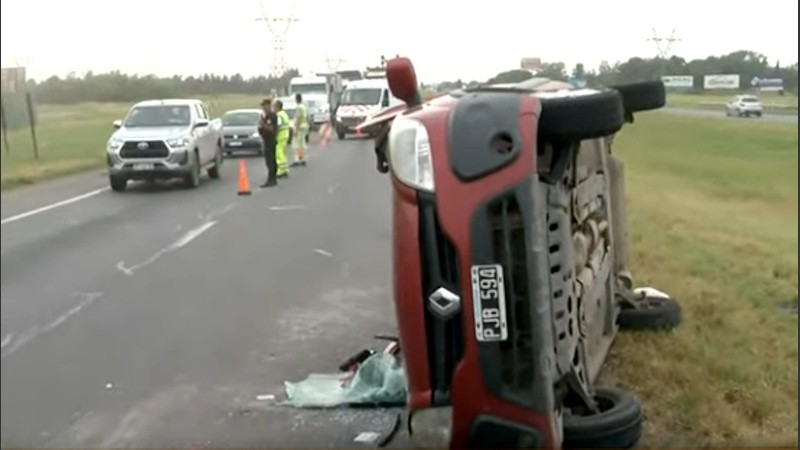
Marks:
<point>747,64</point>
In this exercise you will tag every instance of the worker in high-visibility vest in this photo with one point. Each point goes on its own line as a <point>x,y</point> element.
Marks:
<point>282,140</point>
<point>301,132</point>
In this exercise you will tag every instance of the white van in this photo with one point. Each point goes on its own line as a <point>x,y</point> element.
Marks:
<point>361,100</point>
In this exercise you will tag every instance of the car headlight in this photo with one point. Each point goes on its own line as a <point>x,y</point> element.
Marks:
<point>179,142</point>
<point>255,134</point>
<point>114,143</point>
<point>410,154</point>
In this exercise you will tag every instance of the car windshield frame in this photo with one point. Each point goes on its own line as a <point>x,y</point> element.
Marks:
<point>361,96</point>
<point>155,116</point>
<point>750,100</point>
<point>240,123</point>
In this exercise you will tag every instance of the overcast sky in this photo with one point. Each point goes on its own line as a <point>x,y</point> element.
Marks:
<point>185,37</point>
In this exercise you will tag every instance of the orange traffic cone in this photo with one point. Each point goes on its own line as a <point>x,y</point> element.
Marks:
<point>244,183</point>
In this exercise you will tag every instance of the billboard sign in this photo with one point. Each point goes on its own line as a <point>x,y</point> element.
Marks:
<point>12,79</point>
<point>678,81</point>
<point>730,81</point>
<point>531,64</point>
<point>767,84</point>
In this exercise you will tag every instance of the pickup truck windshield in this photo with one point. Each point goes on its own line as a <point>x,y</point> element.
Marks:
<point>361,97</point>
<point>159,116</point>
<point>241,119</point>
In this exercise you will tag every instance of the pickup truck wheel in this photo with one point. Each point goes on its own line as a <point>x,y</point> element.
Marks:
<point>215,170</point>
<point>617,425</point>
<point>573,119</point>
<point>340,134</point>
<point>118,184</point>
<point>192,179</point>
<point>652,313</point>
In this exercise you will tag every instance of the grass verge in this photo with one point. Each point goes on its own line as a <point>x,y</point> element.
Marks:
<point>713,221</point>
<point>772,102</point>
<point>72,138</point>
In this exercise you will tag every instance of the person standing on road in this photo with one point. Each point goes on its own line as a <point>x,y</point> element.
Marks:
<point>282,140</point>
<point>267,128</point>
<point>301,128</point>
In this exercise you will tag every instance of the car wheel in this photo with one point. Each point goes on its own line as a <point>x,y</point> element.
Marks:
<point>643,96</point>
<point>652,313</point>
<point>340,134</point>
<point>215,170</point>
<point>578,118</point>
<point>617,425</point>
<point>192,179</point>
<point>118,184</point>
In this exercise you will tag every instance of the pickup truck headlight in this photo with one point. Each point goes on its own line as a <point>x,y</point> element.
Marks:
<point>114,143</point>
<point>410,154</point>
<point>255,135</point>
<point>179,142</point>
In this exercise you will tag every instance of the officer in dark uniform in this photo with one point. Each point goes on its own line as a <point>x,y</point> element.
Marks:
<point>268,129</point>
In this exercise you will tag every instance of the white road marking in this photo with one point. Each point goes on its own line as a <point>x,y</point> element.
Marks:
<point>287,208</point>
<point>6,340</point>
<point>188,237</point>
<point>265,397</point>
<point>52,206</point>
<point>322,252</point>
<point>367,436</point>
<point>37,330</point>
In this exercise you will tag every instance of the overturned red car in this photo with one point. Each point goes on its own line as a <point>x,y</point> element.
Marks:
<point>510,261</point>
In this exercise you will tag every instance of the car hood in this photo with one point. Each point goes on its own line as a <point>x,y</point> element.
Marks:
<point>249,129</point>
<point>151,132</point>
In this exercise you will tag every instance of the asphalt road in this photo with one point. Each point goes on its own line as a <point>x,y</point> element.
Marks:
<point>158,316</point>
<point>720,114</point>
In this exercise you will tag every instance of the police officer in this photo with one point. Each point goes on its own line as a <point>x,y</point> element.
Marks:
<point>268,128</point>
<point>301,127</point>
<point>282,140</point>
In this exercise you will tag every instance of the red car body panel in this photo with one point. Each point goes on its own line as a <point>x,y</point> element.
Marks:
<point>456,202</point>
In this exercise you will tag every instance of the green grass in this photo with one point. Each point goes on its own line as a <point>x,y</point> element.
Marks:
<point>72,138</point>
<point>772,102</point>
<point>712,208</point>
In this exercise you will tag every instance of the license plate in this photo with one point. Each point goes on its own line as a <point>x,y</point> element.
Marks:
<point>235,144</point>
<point>143,166</point>
<point>489,300</point>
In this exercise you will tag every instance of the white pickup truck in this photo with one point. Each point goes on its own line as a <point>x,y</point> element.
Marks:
<point>165,139</point>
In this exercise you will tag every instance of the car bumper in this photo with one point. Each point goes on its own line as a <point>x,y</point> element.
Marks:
<point>349,124</point>
<point>248,144</point>
<point>149,170</point>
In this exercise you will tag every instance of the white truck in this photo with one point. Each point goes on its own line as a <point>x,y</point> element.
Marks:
<point>361,100</point>
<point>323,90</point>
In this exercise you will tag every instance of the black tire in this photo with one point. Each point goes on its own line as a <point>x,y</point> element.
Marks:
<point>642,96</point>
<point>192,179</point>
<point>572,119</point>
<point>654,313</point>
<point>340,134</point>
<point>618,425</point>
<point>118,184</point>
<point>215,170</point>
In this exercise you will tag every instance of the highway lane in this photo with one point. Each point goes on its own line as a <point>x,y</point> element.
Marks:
<point>720,114</point>
<point>156,317</point>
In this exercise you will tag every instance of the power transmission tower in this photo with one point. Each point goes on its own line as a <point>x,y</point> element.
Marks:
<point>333,63</point>
<point>279,29</point>
<point>663,45</point>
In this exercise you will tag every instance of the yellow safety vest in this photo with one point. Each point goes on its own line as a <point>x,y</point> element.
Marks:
<point>283,125</point>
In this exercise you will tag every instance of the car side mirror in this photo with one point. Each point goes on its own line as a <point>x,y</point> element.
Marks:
<point>117,124</point>
<point>201,123</point>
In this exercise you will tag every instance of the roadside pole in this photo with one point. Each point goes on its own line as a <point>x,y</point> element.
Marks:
<point>29,101</point>
<point>5,127</point>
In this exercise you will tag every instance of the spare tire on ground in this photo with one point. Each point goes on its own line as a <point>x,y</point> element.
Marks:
<point>651,313</point>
